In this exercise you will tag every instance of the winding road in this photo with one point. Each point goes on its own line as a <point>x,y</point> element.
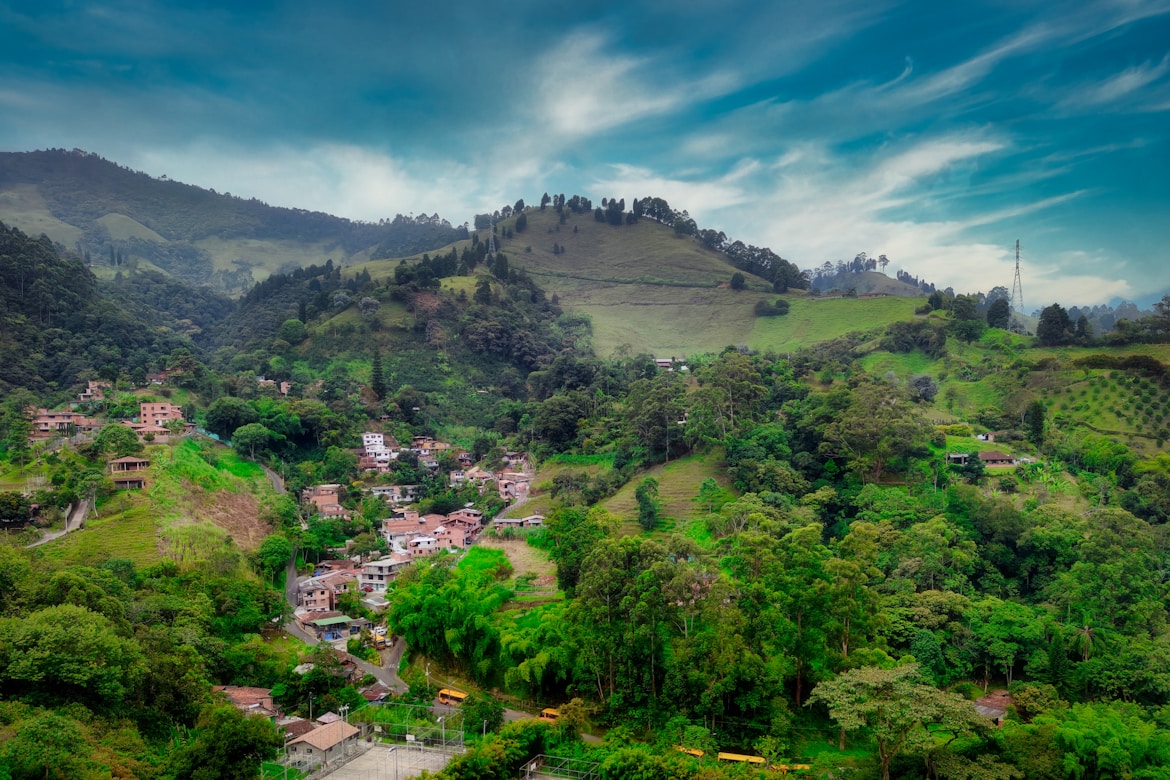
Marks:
<point>75,520</point>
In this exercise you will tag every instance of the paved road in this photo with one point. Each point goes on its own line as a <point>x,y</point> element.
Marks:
<point>386,674</point>
<point>75,520</point>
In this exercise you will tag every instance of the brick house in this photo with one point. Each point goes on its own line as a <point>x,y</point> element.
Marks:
<point>249,700</point>
<point>46,424</point>
<point>159,413</point>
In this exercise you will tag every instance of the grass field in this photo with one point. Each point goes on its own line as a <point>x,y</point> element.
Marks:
<point>645,287</point>
<point>810,321</point>
<point>678,485</point>
<point>199,500</point>
<point>124,528</point>
<point>22,206</point>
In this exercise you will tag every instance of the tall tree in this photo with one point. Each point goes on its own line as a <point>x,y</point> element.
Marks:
<point>895,707</point>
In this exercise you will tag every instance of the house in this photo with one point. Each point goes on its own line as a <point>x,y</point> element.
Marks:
<point>406,524</point>
<point>94,391</point>
<point>957,458</point>
<point>130,482</point>
<point>294,727</point>
<point>512,486</point>
<point>327,500</point>
<point>128,464</point>
<point>452,536</point>
<point>376,574</point>
<point>324,744</point>
<point>996,458</point>
<point>532,521</point>
<point>396,494</point>
<point>516,461</point>
<point>148,431</point>
<point>328,626</point>
<point>46,424</point>
<point>376,692</point>
<point>468,517</point>
<point>159,413</point>
<point>320,593</point>
<point>994,706</point>
<point>422,546</point>
<point>250,701</point>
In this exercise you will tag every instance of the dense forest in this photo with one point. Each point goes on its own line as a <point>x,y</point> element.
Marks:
<point>797,556</point>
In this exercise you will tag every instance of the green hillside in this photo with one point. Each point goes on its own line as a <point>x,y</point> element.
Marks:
<point>123,218</point>
<point>649,290</point>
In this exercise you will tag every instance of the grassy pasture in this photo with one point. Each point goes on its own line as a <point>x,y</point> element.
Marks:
<point>122,529</point>
<point>810,320</point>
<point>22,206</point>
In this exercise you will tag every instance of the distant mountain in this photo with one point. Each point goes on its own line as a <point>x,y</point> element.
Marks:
<point>113,217</point>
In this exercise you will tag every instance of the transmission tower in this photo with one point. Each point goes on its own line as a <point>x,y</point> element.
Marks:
<point>1017,296</point>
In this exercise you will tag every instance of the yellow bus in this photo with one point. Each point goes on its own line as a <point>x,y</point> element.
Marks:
<point>549,714</point>
<point>742,758</point>
<point>689,751</point>
<point>451,696</point>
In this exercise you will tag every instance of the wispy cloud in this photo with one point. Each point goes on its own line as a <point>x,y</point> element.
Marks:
<point>584,88</point>
<point>1119,86</point>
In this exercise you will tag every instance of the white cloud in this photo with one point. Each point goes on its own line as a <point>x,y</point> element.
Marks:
<point>583,89</point>
<point>814,205</point>
<point>339,179</point>
<point>1119,86</point>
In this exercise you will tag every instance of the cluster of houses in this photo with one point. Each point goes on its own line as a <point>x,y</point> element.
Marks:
<point>326,499</point>
<point>152,421</point>
<point>153,424</point>
<point>379,451</point>
<point>318,741</point>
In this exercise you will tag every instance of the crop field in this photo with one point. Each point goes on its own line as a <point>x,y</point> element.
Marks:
<point>122,529</point>
<point>678,485</point>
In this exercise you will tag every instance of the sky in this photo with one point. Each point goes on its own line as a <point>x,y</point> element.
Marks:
<point>934,133</point>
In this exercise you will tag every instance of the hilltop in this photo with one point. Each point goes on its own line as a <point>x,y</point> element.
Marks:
<point>647,288</point>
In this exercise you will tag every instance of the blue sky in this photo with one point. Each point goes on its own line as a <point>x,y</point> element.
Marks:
<point>934,133</point>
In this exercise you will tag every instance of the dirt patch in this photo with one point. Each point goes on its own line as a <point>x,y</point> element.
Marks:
<point>239,515</point>
<point>236,513</point>
<point>525,559</point>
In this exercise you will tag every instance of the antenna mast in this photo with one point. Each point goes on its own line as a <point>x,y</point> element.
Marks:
<point>1017,296</point>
